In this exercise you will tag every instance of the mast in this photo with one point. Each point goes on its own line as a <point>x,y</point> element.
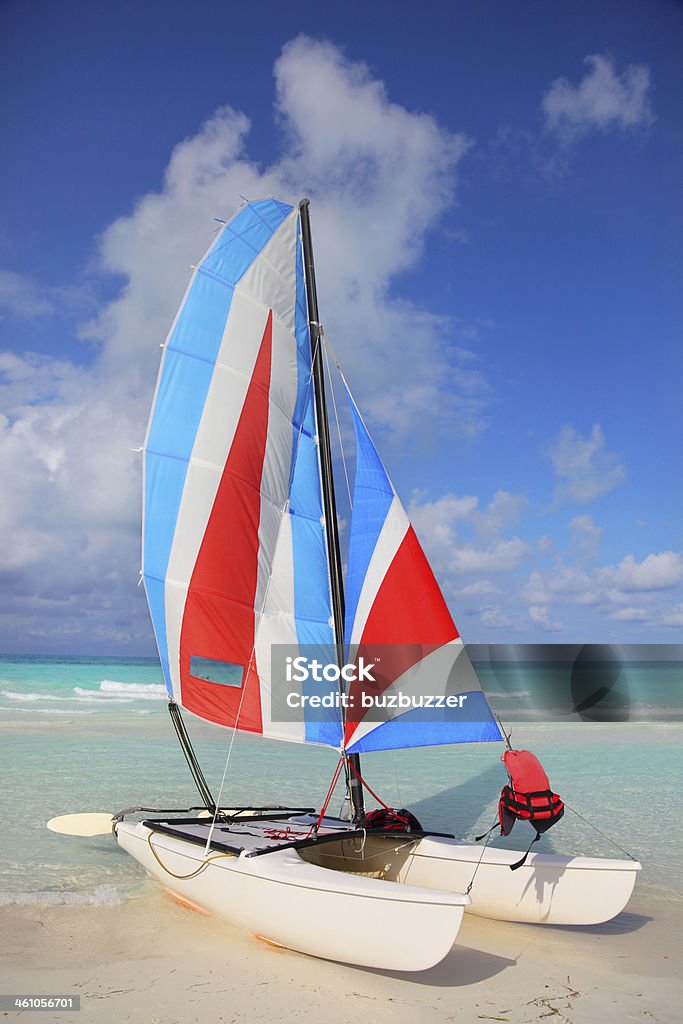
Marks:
<point>329,503</point>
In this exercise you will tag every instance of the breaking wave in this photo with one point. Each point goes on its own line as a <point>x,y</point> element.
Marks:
<point>145,690</point>
<point>108,691</point>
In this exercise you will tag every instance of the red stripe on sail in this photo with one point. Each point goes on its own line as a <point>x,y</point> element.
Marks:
<point>410,613</point>
<point>219,617</point>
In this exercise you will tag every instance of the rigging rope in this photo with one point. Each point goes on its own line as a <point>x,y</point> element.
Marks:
<point>481,856</point>
<point>364,783</point>
<point>336,419</point>
<point>192,874</point>
<point>335,779</point>
<point>603,834</point>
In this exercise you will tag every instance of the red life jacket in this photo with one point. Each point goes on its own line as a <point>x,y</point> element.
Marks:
<point>529,796</point>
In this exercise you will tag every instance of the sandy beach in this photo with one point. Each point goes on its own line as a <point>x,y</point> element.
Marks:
<point>153,961</point>
<point>78,917</point>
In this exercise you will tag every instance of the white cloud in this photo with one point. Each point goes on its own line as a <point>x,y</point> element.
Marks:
<point>608,591</point>
<point>476,589</point>
<point>379,177</point>
<point>586,535</point>
<point>70,508</point>
<point>475,559</point>
<point>436,521</point>
<point>494,617</point>
<point>584,467</point>
<point>545,544</point>
<point>22,298</point>
<point>503,510</point>
<point>601,101</point>
<point>630,614</point>
<point>67,433</point>
<point>561,583</point>
<point>502,556</point>
<point>673,617</point>
<point>442,525</point>
<point>540,616</point>
<point>656,572</point>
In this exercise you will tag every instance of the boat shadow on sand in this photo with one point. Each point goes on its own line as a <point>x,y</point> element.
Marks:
<point>467,965</point>
<point>462,966</point>
<point>622,924</point>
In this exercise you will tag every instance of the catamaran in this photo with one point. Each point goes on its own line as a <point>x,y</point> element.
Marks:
<point>247,591</point>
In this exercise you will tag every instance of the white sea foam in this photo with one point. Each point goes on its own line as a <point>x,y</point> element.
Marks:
<point>46,711</point>
<point>113,692</point>
<point>85,696</point>
<point>92,695</point>
<point>60,711</point>
<point>144,690</point>
<point>109,691</point>
<point>101,895</point>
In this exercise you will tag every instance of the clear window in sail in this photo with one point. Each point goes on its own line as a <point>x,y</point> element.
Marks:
<point>214,671</point>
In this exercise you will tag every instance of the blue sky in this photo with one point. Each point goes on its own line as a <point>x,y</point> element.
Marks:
<point>497,217</point>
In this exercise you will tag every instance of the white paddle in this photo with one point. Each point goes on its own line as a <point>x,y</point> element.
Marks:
<point>94,824</point>
<point>99,824</point>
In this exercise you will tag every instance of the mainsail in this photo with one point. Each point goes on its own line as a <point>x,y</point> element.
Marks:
<point>234,552</point>
<point>236,560</point>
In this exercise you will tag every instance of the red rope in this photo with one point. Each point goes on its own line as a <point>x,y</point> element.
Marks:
<point>335,779</point>
<point>330,791</point>
<point>285,833</point>
<point>364,783</point>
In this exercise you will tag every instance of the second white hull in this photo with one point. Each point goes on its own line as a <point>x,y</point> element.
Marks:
<point>547,889</point>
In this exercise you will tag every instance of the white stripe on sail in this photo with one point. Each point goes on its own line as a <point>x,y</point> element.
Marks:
<point>277,626</point>
<point>394,529</point>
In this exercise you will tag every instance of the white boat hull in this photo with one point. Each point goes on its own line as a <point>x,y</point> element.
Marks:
<point>285,900</point>
<point>547,889</point>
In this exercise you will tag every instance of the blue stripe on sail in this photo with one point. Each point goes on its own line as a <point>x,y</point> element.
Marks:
<point>474,723</point>
<point>243,239</point>
<point>312,608</point>
<point>188,366</point>
<point>372,498</point>
<point>154,589</point>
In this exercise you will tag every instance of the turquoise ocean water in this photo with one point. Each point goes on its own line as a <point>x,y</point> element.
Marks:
<point>93,734</point>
